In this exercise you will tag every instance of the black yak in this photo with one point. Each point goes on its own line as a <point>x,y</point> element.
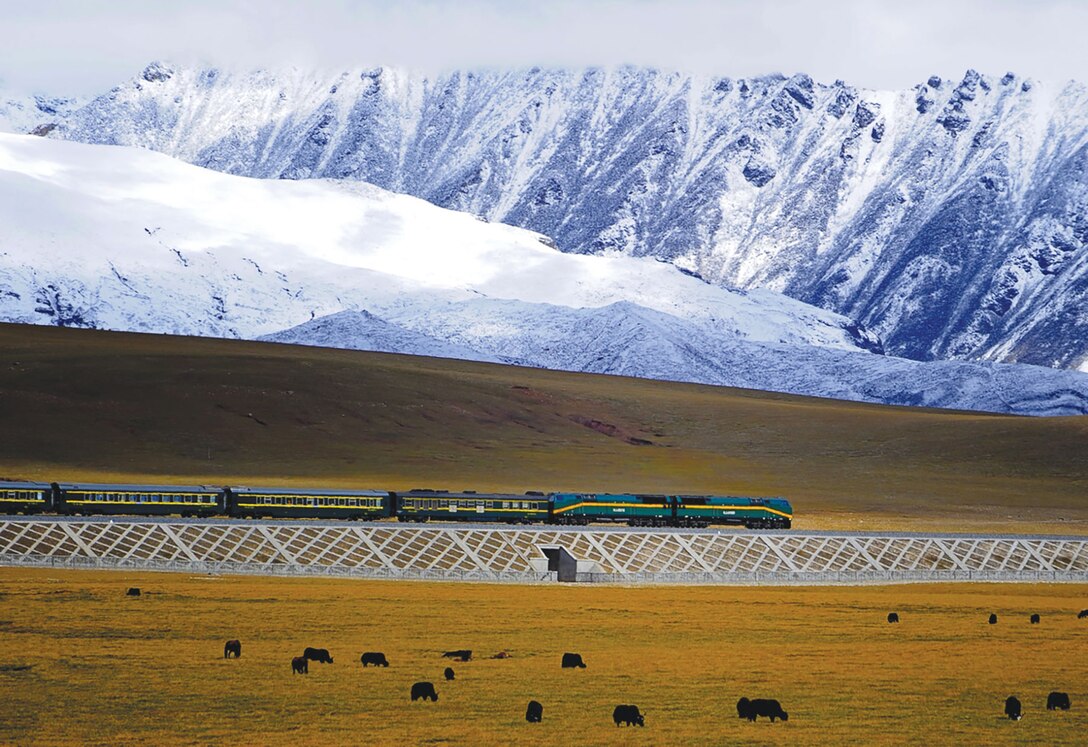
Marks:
<point>573,660</point>
<point>376,658</point>
<point>424,690</point>
<point>1056,701</point>
<point>534,713</point>
<point>761,707</point>
<point>318,654</point>
<point>628,714</point>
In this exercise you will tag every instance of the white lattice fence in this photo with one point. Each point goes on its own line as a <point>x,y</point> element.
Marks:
<point>459,552</point>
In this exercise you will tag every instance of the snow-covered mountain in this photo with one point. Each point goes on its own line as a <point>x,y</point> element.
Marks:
<point>631,340</point>
<point>361,330</point>
<point>25,114</point>
<point>949,218</point>
<point>127,239</point>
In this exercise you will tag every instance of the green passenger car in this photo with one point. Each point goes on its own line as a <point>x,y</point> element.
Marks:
<point>291,503</point>
<point>145,500</point>
<point>25,497</point>
<point>441,505</point>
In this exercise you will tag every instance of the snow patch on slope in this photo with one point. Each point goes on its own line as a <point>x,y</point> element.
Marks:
<point>116,218</point>
<point>630,340</point>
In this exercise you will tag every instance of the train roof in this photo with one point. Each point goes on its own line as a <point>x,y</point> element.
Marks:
<point>310,492</point>
<point>17,485</point>
<point>106,487</point>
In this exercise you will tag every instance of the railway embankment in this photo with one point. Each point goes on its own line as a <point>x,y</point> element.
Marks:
<point>537,555</point>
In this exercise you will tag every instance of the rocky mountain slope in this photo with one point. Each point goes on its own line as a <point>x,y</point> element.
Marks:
<point>949,218</point>
<point>126,239</point>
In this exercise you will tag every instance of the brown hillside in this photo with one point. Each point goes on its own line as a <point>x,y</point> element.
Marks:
<point>79,404</point>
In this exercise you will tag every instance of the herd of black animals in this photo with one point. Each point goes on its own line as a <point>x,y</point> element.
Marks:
<point>623,714</point>
<point>1054,701</point>
<point>534,713</point>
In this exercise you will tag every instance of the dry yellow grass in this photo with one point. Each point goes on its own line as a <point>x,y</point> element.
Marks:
<point>88,405</point>
<point>107,669</point>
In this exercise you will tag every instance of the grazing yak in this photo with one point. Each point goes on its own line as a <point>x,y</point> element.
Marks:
<point>1056,701</point>
<point>133,592</point>
<point>377,658</point>
<point>1012,707</point>
<point>571,661</point>
<point>534,712</point>
<point>751,709</point>
<point>993,619</point>
<point>448,674</point>
<point>629,715</point>
<point>317,654</point>
<point>462,655</point>
<point>1082,614</point>
<point>424,690</point>
<point>1035,619</point>
<point>300,665</point>
<point>232,647</point>
<point>893,617</point>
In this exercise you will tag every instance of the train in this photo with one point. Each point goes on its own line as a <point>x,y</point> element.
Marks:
<point>418,505</point>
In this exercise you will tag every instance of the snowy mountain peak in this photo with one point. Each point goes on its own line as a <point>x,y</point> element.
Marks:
<point>947,217</point>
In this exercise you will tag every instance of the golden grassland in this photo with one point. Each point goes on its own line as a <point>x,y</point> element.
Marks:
<point>90,405</point>
<point>108,669</point>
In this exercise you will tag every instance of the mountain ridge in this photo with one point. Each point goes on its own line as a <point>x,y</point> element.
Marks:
<point>947,217</point>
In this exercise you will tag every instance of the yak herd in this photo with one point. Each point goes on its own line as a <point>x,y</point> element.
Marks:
<point>624,714</point>
<point>1054,701</point>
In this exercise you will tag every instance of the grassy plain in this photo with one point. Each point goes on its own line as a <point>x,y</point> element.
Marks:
<point>90,405</point>
<point>108,669</point>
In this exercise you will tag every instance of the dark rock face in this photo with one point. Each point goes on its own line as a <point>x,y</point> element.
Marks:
<point>758,173</point>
